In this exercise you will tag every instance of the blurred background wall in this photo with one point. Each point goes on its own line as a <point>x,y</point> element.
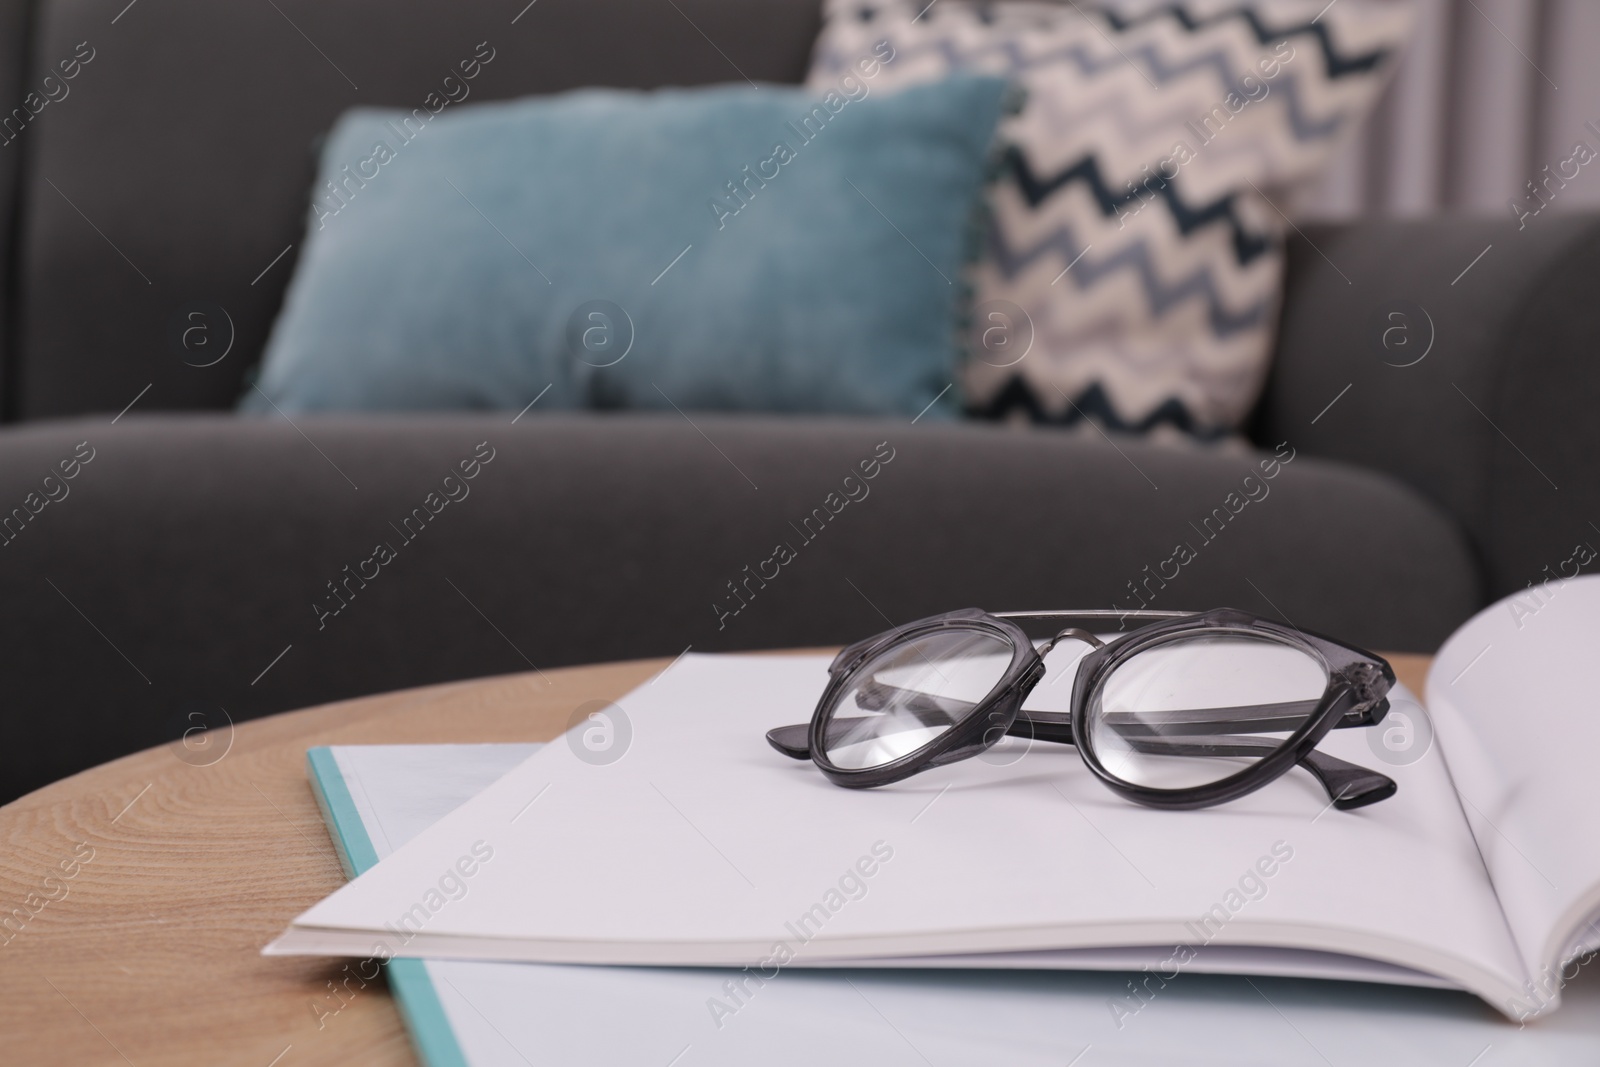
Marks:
<point>1490,92</point>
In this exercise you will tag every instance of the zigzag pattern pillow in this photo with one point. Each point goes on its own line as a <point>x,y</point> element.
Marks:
<point>1133,261</point>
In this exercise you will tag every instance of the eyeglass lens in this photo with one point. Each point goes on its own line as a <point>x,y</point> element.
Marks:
<point>1198,708</point>
<point>909,695</point>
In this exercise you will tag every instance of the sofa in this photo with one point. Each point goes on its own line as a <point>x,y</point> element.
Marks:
<point>167,563</point>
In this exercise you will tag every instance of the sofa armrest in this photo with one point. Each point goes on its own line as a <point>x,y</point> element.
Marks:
<point>1475,380</point>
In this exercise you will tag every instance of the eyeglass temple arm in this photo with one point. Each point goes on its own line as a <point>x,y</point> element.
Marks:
<point>928,709</point>
<point>917,709</point>
<point>1347,784</point>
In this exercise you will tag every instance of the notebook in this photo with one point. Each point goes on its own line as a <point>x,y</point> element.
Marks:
<point>468,1014</point>
<point>701,847</point>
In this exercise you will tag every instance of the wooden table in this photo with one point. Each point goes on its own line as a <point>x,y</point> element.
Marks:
<point>149,953</point>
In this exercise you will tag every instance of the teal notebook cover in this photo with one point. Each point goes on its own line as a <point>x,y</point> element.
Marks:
<point>408,978</point>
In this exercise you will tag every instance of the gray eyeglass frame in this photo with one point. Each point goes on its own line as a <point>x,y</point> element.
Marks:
<point>1355,695</point>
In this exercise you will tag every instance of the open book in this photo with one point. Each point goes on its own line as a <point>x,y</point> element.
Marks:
<point>688,841</point>
<point>375,798</point>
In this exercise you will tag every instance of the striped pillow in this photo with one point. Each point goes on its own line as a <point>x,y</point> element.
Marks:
<point>1134,255</point>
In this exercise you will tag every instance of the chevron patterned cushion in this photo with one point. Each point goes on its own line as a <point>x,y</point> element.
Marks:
<point>1134,256</point>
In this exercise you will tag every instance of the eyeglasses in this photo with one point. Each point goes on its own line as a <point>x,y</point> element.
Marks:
<point>1186,711</point>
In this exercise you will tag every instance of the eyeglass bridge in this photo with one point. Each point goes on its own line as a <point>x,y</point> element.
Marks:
<point>1076,634</point>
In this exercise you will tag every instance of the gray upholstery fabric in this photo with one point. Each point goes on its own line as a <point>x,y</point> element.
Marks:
<point>187,555</point>
<point>188,142</point>
<point>189,551</point>
<point>1498,423</point>
<point>15,37</point>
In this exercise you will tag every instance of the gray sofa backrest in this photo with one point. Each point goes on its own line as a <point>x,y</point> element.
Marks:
<point>175,167</point>
<point>177,163</point>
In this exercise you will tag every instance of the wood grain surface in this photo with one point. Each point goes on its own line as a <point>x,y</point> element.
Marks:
<point>135,897</point>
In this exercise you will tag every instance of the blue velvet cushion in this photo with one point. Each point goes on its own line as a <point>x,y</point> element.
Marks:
<point>733,248</point>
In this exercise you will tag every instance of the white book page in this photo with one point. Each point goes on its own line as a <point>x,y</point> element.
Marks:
<point>401,790</point>
<point>701,845</point>
<point>513,1014</point>
<point>1515,700</point>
